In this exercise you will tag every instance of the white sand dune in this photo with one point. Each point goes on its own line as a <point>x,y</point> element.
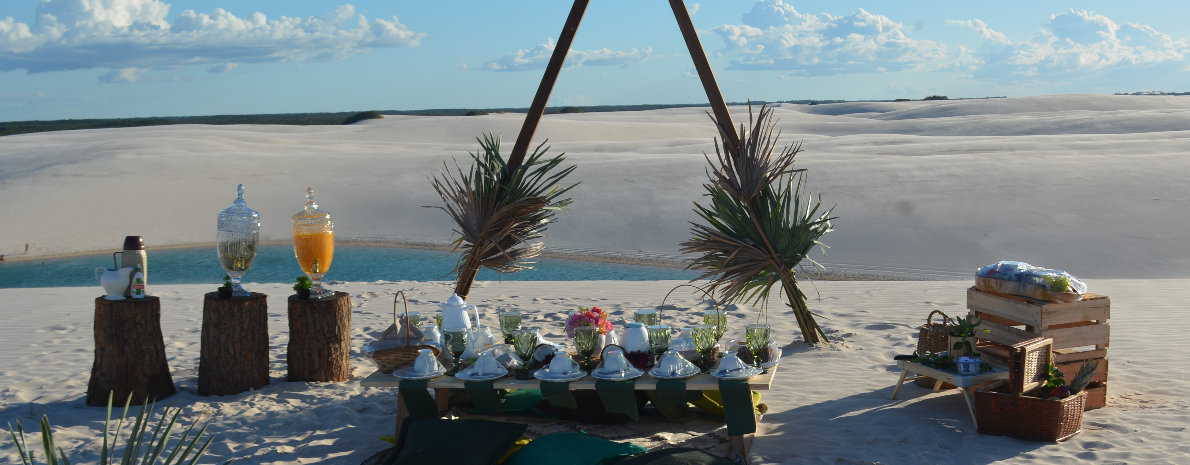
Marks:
<point>1088,183</point>
<point>830,404</point>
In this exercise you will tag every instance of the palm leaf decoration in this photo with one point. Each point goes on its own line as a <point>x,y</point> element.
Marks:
<point>500,210</point>
<point>759,223</point>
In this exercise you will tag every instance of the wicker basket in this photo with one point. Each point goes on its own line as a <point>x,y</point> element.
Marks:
<point>933,337</point>
<point>1029,418</point>
<point>393,359</point>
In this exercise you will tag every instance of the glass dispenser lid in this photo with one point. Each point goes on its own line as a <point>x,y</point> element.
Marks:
<point>311,211</point>
<point>238,215</point>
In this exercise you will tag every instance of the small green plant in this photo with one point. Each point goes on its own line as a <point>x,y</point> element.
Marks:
<point>138,439</point>
<point>964,328</point>
<point>1055,384</point>
<point>303,283</point>
<point>226,281</point>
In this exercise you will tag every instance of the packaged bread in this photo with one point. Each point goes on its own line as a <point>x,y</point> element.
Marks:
<point>1023,279</point>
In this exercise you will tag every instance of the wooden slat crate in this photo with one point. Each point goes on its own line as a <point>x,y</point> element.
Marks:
<point>1080,331</point>
<point>1075,324</point>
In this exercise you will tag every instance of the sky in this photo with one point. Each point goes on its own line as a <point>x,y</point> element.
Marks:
<point>70,59</point>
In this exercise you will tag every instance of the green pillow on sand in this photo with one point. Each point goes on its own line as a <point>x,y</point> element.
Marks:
<point>573,449</point>
<point>456,442</point>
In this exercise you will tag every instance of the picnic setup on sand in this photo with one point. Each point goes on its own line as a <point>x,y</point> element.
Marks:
<point>1028,358</point>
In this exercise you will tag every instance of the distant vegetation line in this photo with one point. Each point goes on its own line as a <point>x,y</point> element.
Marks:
<point>347,117</point>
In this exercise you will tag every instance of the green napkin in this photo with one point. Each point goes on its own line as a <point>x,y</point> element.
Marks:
<point>737,406</point>
<point>483,394</point>
<point>417,399</point>
<point>670,399</point>
<point>618,396</point>
<point>558,394</point>
<point>672,391</point>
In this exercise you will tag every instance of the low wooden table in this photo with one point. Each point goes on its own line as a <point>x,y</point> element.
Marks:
<point>443,384</point>
<point>962,382</point>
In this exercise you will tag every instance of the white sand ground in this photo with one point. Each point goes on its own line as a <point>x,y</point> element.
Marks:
<point>1092,184</point>
<point>830,404</point>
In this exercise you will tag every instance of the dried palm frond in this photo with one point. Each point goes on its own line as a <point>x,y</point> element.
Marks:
<point>498,210</point>
<point>760,223</point>
<point>1083,378</point>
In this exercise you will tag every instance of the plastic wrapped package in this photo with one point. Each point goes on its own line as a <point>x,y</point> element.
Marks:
<point>1023,279</point>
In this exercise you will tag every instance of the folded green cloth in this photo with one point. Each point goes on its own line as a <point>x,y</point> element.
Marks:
<point>670,399</point>
<point>558,394</point>
<point>417,399</point>
<point>484,395</point>
<point>618,397</point>
<point>737,406</point>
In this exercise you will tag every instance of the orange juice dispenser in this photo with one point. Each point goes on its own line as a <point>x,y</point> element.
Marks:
<point>314,244</point>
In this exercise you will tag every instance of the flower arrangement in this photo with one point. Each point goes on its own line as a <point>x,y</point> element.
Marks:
<point>593,317</point>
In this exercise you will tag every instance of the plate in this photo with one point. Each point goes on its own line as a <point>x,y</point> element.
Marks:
<point>575,376</point>
<point>466,375</point>
<point>404,374</point>
<point>618,376</point>
<point>745,373</point>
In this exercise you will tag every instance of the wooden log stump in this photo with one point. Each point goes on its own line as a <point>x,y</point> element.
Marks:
<point>319,339</point>
<point>129,353</point>
<point>235,345</point>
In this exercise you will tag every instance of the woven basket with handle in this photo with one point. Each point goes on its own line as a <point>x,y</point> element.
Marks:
<point>393,359</point>
<point>933,337</point>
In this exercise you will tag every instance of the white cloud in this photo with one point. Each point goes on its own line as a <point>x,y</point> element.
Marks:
<point>775,36</point>
<point>224,68</point>
<point>693,9</point>
<point>120,34</point>
<point>122,75</point>
<point>538,57</point>
<point>1077,44</point>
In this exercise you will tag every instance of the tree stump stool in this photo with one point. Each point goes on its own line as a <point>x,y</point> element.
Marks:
<point>235,345</point>
<point>129,353</point>
<point>319,338</point>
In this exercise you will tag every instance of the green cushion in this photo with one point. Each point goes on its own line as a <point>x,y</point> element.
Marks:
<point>572,449</point>
<point>677,456</point>
<point>454,441</point>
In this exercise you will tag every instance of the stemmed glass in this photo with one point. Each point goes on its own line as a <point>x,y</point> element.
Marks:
<point>585,340</point>
<point>509,323</point>
<point>717,319</point>
<point>456,342</point>
<point>525,342</point>
<point>659,339</point>
<point>757,336</point>
<point>704,341</point>
<point>438,318</point>
<point>645,317</point>
<point>415,319</point>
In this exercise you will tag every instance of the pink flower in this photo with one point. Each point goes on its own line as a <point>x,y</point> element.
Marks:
<point>588,318</point>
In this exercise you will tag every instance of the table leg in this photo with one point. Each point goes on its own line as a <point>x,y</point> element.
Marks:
<point>739,445</point>
<point>970,406</point>
<point>402,413</point>
<point>899,383</point>
<point>442,398</point>
<point>937,386</point>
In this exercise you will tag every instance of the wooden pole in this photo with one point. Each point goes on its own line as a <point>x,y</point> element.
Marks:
<point>547,84</point>
<point>718,105</point>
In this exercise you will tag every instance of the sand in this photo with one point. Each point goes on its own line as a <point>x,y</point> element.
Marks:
<point>1091,184</point>
<point>830,404</point>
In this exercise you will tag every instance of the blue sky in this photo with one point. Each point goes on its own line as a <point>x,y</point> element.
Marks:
<point>130,58</point>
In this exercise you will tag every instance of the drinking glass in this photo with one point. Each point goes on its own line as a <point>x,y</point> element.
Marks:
<point>585,340</point>
<point>314,243</point>
<point>236,240</point>
<point>757,336</point>
<point>415,319</point>
<point>525,342</point>
<point>456,342</point>
<point>509,323</point>
<point>659,339</point>
<point>704,342</point>
<point>438,318</point>
<point>645,317</point>
<point>717,319</point>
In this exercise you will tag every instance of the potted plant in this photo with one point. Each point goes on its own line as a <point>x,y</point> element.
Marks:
<point>303,287</point>
<point>225,290</point>
<point>961,332</point>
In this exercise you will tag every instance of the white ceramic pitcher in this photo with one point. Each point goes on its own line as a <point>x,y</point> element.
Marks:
<point>114,281</point>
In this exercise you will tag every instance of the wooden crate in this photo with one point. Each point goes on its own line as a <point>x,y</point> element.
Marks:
<point>1075,324</point>
<point>1096,395</point>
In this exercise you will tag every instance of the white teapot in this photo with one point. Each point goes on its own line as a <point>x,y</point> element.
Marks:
<point>454,317</point>
<point>114,281</point>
